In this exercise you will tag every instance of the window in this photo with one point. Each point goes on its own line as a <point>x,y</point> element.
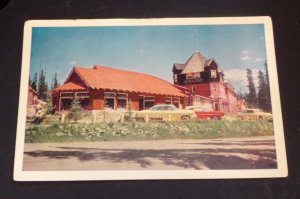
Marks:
<point>67,94</point>
<point>122,103</point>
<point>189,76</point>
<point>82,94</point>
<point>213,74</point>
<point>214,87</point>
<point>197,75</point>
<point>193,88</point>
<point>149,101</point>
<point>109,103</point>
<point>168,100</point>
<point>122,99</point>
<point>175,77</point>
<point>109,100</point>
<point>176,101</point>
<point>109,94</point>
<point>148,104</point>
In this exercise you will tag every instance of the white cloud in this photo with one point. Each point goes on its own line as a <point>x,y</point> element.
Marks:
<point>237,75</point>
<point>246,57</point>
<point>238,78</point>
<point>245,52</point>
<point>73,63</point>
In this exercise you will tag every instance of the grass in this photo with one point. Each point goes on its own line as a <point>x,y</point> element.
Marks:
<point>191,129</point>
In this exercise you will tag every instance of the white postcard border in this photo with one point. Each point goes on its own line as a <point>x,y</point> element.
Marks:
<point>281,171</point>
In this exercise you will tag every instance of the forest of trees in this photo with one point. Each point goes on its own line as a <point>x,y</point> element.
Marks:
<point>39,84</point>
<point>260,98</point>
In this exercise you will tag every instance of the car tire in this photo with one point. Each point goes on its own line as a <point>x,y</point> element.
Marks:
<point>185,117</point>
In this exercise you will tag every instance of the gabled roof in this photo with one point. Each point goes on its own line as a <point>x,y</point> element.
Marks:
<point>194,64</point>
<point>69,86</point>
<point>179,66</point>
<point>103,77</point>
<point>31,89</point>
<point>209,61</point>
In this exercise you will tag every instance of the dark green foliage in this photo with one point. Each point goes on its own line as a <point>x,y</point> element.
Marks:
<point>262,97</point>
<point>33,82</point>
<point>42,87</point>
<point>48,101</point>
<point>75,110</point>
<point>251,97</point>
<point>54,83</point>
<point>189,129</point>
<point>268,102</point>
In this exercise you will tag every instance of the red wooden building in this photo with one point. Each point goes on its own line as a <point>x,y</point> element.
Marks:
<point>31,97</point>
<point>205,80</point>
<point>104,87</point>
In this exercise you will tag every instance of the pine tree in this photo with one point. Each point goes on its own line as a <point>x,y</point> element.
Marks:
<point>42,86</point>
<point>33,83</point>
<point>30,82</point>
<point>55,82</point>
<point>75,110</point>
<point>268,100</point>
<point>262,98</point>
<point>251,97</point>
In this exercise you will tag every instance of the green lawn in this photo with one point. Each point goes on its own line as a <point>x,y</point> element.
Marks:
<point>191,129</point>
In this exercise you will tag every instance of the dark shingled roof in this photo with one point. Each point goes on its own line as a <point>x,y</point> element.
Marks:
<point>195,63</point>
<point>179,66</point>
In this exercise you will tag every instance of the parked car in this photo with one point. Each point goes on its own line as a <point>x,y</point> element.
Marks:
<point>254,114</point>
<point>206,112</point>
<point>166,112</point>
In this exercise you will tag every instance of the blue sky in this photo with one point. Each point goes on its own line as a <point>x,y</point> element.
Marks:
<point>148,49</point>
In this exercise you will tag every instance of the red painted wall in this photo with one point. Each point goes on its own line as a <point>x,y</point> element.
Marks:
<point>30,98</point>
<point>96,99</point>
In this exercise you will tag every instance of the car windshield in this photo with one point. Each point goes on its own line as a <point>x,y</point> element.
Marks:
<point>248,111</point>
<point>200,108</point>
<point>162,108</point>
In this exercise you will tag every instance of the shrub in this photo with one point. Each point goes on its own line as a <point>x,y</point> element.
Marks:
<point>75,110</point>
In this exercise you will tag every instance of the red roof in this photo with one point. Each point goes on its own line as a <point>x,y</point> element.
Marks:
<point>31,89</point>
<point>103,77</point>
<point>69,86</point>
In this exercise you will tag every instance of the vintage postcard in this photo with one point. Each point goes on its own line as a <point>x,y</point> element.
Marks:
<point>129,99</point>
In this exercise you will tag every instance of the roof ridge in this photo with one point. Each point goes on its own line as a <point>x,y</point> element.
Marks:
<point>129,71</point>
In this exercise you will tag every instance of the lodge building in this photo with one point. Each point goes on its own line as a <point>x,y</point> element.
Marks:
<point>205,81</point>
<point>104,87</point>
<point>200,81</point>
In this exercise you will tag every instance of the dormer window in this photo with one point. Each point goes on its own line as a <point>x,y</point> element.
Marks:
<point>196,75</point>
<point>213,73</point>
<point>189,76</point>
<point>175,77</point>
<point>193,76</point>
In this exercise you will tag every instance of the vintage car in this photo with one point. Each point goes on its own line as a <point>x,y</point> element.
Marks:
<point>206,112</point>
<point>165,112</point>
<point>254,114</point>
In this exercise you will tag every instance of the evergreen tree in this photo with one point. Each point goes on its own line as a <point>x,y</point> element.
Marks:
<point>262,97</point>
<point>48,101</point>
<point>55,82</point>
<point>251,97</point>
<point>33,83</point>
<point>268,102</point>
<point>42,86</point>
<point>30,82</point>
<point>75,110</point>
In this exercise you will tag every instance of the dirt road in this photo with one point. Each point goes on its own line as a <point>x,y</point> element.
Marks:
<point>229,153</point>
